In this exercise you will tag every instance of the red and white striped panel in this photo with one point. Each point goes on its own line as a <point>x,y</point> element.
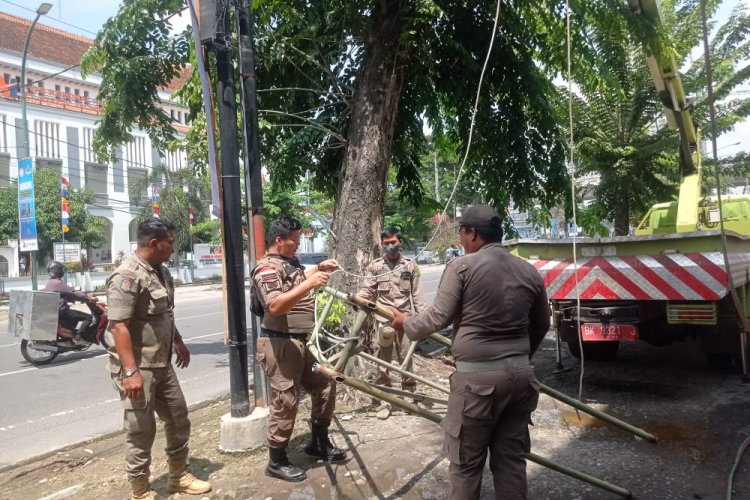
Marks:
<point>691,276</point>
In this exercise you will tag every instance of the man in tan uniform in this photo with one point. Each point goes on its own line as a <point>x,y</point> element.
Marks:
<point>286,294</point>
<point>500,314</point>
<point>393,281</point>
<point>140,300</point>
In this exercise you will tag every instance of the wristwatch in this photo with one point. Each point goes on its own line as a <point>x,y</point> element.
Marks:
<point>130,373</point>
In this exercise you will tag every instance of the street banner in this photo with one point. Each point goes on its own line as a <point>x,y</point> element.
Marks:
<point>64,210</point>
<point>26,206</point>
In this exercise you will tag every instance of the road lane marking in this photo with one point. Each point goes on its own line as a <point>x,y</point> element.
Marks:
<point>19,371</point>
<point>206,335</point>
<point>200,315</point>
<point>60,414</point>
<point>11,345</point>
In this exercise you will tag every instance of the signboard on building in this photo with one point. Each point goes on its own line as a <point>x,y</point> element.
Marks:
<point>72,251</point>
<point>207,255</point>
<point>26,206</point>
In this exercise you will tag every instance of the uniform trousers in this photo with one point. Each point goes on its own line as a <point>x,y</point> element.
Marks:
<point>163,395</point>
<point>489,410</point>
<point>399,347</point>
<point>288,364</point>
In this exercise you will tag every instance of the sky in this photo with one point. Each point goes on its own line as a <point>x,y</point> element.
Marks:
<point>85,17</point>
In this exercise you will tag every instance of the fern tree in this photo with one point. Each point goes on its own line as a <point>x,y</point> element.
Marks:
<point>621,134</point>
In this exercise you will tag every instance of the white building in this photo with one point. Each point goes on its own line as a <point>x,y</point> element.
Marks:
<point>62,110</point>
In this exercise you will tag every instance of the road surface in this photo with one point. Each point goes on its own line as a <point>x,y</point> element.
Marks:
<point>72,399</point>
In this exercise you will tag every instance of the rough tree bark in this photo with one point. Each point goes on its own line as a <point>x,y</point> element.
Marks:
<point>622,217</point>
<point>360,200</point>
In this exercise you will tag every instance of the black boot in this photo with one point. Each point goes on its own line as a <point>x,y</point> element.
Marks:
<point>280,467</point>
<point>322,447</point>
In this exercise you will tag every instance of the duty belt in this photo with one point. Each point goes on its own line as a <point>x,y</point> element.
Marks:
<point>273,334</point>
<point>518,361</point>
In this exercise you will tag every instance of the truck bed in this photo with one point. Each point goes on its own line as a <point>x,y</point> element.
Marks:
<point>673,267</point>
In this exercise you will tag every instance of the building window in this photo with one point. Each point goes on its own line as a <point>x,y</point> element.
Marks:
<point>57,88</point>
<point>174,160</point>
<point>135,152</point>
<point>47,139</point>
<point>171,114</point>
<point>179,117</point>
<point>67,90</point>
<point>3,134</point>
<point>88,145</point>
<point>77,91</point>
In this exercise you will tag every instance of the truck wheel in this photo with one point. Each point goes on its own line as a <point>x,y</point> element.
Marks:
<point>595,351</point>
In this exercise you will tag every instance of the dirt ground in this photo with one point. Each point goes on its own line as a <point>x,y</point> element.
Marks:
<point>701,417</point>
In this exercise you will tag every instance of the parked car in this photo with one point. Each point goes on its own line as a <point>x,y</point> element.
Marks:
<point>311,259</point>
<point>427,257</point>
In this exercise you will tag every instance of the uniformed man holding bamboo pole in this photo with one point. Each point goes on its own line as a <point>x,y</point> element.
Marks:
<point>288,311</point>
<point>500,314</point>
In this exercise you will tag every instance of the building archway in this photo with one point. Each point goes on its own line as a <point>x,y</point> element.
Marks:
<point>133,230</point>
<point>3,267</point>
<point>103,253</point>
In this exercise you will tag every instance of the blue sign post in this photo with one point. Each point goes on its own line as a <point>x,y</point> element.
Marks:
<point>26,206</point>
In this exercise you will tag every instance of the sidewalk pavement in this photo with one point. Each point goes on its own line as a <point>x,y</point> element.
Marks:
<point>395,458</point>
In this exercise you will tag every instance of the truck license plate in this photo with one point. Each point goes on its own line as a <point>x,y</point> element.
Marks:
<point>599,331</point>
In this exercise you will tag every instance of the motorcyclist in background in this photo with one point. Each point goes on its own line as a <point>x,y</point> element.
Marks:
<point>68,318</point>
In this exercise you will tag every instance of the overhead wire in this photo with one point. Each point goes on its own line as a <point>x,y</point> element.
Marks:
<point>572,172</point>
<point>50,18</point>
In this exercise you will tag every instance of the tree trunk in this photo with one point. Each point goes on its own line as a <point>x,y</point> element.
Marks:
<point>622,218</point>
<point>360,200</point>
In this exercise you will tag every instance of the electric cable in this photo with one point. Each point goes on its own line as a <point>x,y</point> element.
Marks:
<point>735,465</point>
<point>572,172</point>
<point>50,18</point>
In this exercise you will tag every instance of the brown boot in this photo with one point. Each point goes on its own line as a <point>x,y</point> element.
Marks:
<point>141,489</point>
<point>181,481</point>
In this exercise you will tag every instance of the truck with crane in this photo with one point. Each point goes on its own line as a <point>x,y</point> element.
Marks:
<point>684,274</point>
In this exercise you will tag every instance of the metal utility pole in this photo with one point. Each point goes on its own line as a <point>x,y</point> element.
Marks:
<point>43,10</point>
<point>253,181</point>
<point>215,34</point>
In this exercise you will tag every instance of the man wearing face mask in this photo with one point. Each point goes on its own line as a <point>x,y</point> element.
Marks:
<point>393,281</point>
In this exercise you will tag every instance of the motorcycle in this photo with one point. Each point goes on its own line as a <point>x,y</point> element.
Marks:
<point>42,352</point>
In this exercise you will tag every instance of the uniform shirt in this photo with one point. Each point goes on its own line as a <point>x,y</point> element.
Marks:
<point>67,292</point>
<point>389,288</point>
<point>275,275</point>
<point>145,296</point>
<point>497,303</point>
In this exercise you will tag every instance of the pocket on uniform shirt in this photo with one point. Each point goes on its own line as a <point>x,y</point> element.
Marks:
<point>479,401</point>
<point>384,284</point>
<point>159,303</point>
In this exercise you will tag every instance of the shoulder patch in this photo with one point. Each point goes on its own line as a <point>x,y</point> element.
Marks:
<point>268,274</point>
<point>126,284</point>
<point>128,275</point>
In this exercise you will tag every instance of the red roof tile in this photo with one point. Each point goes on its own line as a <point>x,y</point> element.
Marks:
<point>55,45</point>
<point>47,43</point>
